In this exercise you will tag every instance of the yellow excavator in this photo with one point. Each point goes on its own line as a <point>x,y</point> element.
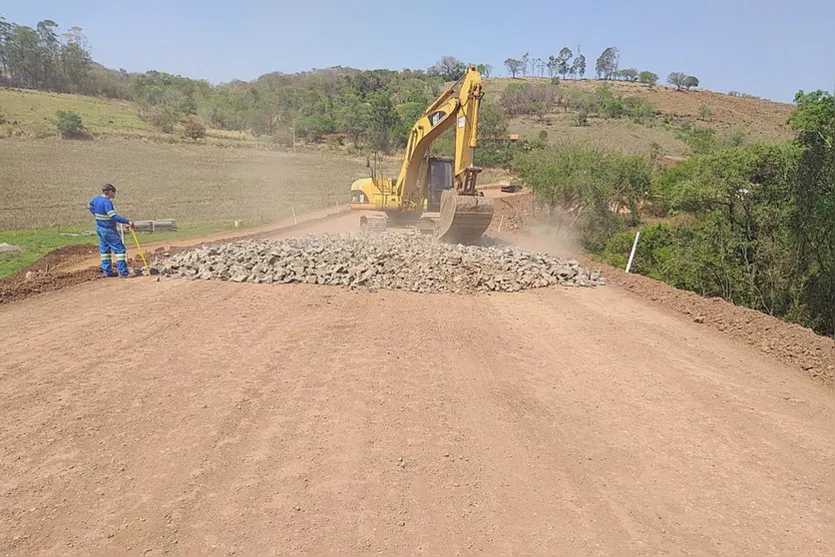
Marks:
<point>430,184</point>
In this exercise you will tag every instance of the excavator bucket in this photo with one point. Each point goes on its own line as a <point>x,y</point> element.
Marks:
<point>464,218</point>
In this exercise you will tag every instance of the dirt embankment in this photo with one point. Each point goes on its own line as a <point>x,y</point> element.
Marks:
<point>790,343</point>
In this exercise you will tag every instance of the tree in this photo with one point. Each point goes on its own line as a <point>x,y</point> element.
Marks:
<point>677,79</point>
<point>24,58</point>
<point>629,74</point>
<point>691,81</point>
<point>50,52</point>
<point>532,100</point>
<point>813,193</point>
<point>562,61</point>
<point>607,65</point>
<point>6,30</point>
<point>705,111</point>
<point>525,61</point>
<point>514,66</point>
<point>579,66</point>
<point>484,69</point>
<point>648,78</point>
<point>76,63</point>
<point>553,66</point>
<point>383,120</point>
<point>449,68</point>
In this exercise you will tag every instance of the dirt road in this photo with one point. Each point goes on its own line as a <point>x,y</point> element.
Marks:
<point>207,418</point>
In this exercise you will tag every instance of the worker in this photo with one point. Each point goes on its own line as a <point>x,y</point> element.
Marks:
<point>102,209</point>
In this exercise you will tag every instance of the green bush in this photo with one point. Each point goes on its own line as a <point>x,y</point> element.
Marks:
<point>69,124</point>
<point>638,107</point>
<point>652,256</point>
<point>616,251</point>
<point>613,108</point>
<point>314,128</point>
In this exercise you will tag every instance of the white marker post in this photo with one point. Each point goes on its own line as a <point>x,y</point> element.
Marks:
<point>632,255</point>
<point>295,220</point>
<point>501,222</point>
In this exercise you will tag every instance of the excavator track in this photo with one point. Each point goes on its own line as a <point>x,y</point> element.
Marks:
<point>464,218</point>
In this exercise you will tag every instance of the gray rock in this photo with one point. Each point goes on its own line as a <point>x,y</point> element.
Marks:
<point>8,250</point>
<point>384,261</point>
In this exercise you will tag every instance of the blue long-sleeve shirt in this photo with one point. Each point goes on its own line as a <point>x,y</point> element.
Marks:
<point>105,213</point>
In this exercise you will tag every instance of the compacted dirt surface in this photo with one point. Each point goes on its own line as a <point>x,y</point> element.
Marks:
<point>193,417</point>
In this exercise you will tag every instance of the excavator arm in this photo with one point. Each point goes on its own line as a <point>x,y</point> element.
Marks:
<point>448,110</point>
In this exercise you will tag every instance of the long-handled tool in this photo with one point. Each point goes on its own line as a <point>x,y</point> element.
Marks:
<point>139,248</point>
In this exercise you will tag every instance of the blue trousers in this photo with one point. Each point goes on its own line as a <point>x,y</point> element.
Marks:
<point>109,240</point>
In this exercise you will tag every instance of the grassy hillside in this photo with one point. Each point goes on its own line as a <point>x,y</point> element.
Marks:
<point>31,114</point>
<point>756,119</point>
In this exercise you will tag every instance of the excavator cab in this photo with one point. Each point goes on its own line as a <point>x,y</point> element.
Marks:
<point>439,179</point>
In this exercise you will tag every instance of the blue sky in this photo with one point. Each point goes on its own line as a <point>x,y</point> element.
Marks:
<point>768,48</point>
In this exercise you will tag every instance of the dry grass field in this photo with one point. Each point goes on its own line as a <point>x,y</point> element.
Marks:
<point>48,182</point>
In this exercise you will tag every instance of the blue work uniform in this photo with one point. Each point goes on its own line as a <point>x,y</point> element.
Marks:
<point>106,218</point>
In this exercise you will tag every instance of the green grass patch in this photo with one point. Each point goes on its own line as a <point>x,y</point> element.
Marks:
<point>37,243</point>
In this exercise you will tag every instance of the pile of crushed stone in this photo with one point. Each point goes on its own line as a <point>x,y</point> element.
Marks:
<point>388,260</point>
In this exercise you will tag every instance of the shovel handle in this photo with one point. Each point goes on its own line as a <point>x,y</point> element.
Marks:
<point>142,255</point>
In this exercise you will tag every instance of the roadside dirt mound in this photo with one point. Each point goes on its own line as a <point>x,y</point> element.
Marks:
<point>60,256</point>
<point>790,343</point>
<point>37,282</point>
<point>43,276</point>
<point>511,211</point>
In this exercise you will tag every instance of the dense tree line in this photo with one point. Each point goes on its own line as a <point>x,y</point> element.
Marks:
<point>43,58</point>
<point>606,67</point>
<point>750,223</point>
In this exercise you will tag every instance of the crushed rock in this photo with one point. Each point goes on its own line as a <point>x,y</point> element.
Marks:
<point>389,260</point>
